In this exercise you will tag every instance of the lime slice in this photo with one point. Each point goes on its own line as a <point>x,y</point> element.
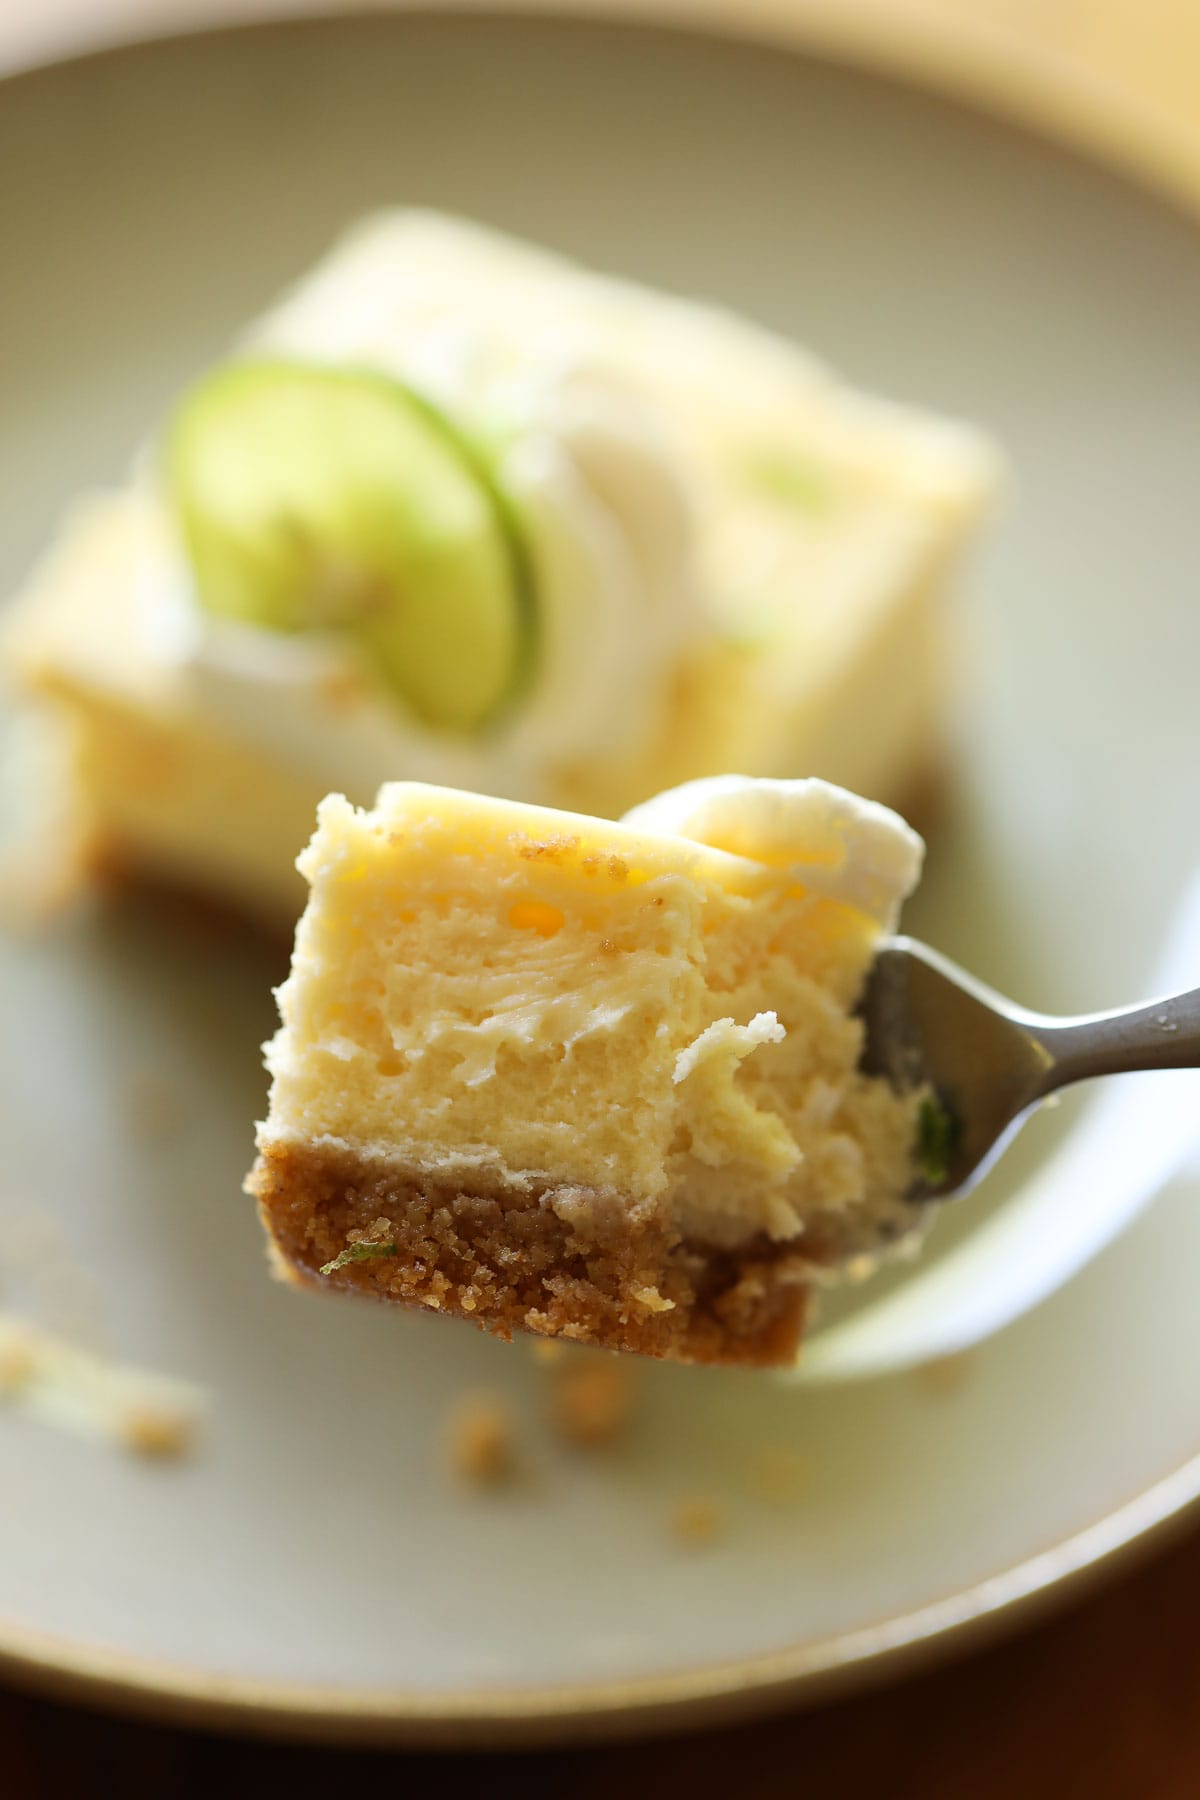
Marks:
<point>336,499</point>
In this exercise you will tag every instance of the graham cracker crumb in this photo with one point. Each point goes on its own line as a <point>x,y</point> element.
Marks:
<point>158,1432</point>
<point>592,1401</point>
<point>778,1474</point>
<point>652,1300</point>
<point>616,866</point>
<point>18,1363</point>
<point>698,1521</point>
<point>550,849</point>
<point>946,1375</point>
<point>480,1443</point>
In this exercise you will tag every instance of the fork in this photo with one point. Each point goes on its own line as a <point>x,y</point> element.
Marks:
<point>988,1063</point>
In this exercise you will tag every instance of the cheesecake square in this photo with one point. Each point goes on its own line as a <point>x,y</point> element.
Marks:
<point>587,1080</point>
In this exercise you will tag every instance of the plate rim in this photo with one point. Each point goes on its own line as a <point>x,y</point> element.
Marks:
<point>590,1712</point>
<point>988,73</point>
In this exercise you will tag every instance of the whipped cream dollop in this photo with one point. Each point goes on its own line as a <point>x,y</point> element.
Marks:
<point>604,510</point>
<point>838,845</point>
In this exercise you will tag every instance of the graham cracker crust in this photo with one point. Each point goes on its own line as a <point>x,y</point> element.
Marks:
<point>546,1258</point>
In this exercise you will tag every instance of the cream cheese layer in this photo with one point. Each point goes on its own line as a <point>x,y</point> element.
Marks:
<point>628,1010</point>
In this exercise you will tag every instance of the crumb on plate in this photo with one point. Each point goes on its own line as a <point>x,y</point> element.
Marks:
<point>158,1432</point>
<point>61,1382</point>
<point>18,1361</point>
<point>480,1442</point>
<point>946,1375</point>
<point>592,1399</point>
<point>697,1521</point>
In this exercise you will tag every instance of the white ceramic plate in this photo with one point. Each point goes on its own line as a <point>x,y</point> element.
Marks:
<point>312,1568</point>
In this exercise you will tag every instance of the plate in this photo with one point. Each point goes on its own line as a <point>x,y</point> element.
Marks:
<point>311,1569</point>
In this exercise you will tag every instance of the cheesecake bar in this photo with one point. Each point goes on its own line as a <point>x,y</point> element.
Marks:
<point>588,1080</point>
<point>460,511</point>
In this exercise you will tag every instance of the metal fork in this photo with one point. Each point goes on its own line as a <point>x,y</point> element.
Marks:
<point>987,1063</point>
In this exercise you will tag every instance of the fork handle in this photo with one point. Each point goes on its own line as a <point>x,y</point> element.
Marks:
<point>1164,1035</point>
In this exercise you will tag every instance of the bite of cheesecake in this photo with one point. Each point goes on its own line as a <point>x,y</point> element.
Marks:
<point>588,1080</point>
<point>459,510</point>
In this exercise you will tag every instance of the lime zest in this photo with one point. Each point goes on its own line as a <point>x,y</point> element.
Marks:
<point>790,477</point>
<point>363,1250</point>
<point>937,1139</point>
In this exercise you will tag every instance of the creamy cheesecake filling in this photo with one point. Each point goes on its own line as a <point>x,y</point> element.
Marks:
<point>839,1149</point>
<point>632,1050</point>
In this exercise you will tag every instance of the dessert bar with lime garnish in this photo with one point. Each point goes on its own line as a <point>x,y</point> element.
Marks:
<point>459,511</point>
